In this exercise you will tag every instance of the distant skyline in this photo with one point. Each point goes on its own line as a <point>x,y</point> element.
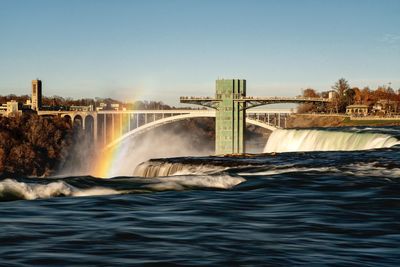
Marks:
<point>160,50</point>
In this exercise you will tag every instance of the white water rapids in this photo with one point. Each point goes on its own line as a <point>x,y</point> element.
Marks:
<point>324,140</point>
<point>279,141</point>
<point>10,188</point>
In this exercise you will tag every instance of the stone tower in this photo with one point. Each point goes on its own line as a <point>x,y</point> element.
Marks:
<point>36,94</point>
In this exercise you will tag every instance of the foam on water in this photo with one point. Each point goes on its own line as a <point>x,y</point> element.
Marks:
<point>323,140</point>
<point>320,209</point>
<point>288,170</point>
<point>359,169</point>
<point>11,189</point>
<point>372,170</point>
<point>182,182</point>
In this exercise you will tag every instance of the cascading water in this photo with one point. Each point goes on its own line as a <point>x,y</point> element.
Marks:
<point>317,208</point>
<point>325,140</point>
<point>161,167</point>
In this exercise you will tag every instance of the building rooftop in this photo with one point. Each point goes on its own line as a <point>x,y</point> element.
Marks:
<point>357,106</point>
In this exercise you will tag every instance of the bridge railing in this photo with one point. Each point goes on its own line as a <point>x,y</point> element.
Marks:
<point>283,98</point>
<point>258,98</point>
<point>199,98</point>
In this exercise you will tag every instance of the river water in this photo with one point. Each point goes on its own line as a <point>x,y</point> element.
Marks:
<point>317,207</point>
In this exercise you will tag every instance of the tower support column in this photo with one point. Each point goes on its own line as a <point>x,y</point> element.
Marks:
<point>230,117</point>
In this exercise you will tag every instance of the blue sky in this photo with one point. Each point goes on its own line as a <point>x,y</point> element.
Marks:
<point>159,49</point>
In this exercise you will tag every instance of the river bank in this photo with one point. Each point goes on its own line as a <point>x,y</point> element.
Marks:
<point>334,120</point>
<point>33,145</point>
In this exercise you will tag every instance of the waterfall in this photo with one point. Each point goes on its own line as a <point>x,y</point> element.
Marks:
<point>325,140</point>
<point>160,167</point>
<point>156,169</point>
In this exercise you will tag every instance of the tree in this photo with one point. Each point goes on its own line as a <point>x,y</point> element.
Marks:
<point>33,145</point>
<point>366,96</point>
<point>340,101</point>
<point>341,86</point>
<point>310,107</point>
<point>357,95</point>
<point>349,95</point>
<point>309,92</point>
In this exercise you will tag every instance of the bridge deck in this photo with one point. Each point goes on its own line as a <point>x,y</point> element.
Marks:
<point>159,111</point>
<point>299,99</point>
<point>252,101</point>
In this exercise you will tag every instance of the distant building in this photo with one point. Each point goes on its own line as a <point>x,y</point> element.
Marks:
<point>102,106</point>
<point>332,94</point>
<point>28,104</point>
<point>36,95</point>
<point>3,109</point>
<point>384,107</point>
<point>11,108</point>
<point>81,108</point>
<point>357,110</point>
<point>108,106</point>
<point>115,106</point>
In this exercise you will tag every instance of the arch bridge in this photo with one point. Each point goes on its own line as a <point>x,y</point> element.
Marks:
<point>230,106</point>
<point>109,127</point>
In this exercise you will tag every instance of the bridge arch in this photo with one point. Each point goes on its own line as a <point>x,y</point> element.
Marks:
<point>89,124</point>
<point>78,121</point>
<point>67,118</point>
<point>172,119</point>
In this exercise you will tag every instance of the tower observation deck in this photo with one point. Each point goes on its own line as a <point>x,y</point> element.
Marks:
<point>231,103</point>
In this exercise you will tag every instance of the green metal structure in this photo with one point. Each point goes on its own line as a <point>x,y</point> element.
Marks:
<point>231,103</point>
<point>230,117</point>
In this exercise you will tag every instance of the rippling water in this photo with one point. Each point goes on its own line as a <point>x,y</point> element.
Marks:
<point>289,209</point>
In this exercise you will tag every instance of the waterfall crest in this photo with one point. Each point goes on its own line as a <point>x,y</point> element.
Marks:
<point>324,140</point>
<point>157,168</point>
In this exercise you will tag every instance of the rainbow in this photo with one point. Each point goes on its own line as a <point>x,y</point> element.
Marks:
<point>107,162</point>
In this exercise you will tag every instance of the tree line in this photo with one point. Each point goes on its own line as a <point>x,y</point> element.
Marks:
<point>59,102</point>
<point>344,95</point>
<point>33,145</point>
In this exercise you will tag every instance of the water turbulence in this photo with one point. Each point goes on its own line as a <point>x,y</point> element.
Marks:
<point>317,208</point>
<point>31,189</point>
<point>12,189</point>
<point>326,140</point>
<point>180,166</point>
<point>194,182</point>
